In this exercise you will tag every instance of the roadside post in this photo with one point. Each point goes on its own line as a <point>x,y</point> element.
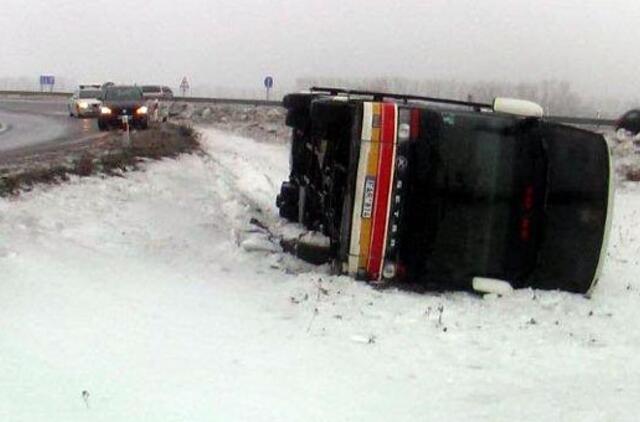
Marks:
<point>155,110</point>
<point>47,81</point>
<point>268,84</point>
<point>184,86</point>
<point>126,138</point>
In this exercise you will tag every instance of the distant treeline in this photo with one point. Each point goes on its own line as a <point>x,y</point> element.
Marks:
<point>557,97</point>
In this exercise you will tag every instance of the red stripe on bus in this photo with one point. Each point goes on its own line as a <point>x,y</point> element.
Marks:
<point>415,123</point>
<point>383,187</point>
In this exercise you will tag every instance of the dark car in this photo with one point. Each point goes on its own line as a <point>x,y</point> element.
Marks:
<point>123,105</point>
<point>152,92</point>
<point>630,121</point>
<point>465,196</point>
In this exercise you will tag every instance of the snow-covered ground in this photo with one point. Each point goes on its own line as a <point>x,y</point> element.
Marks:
<point>153,294</point>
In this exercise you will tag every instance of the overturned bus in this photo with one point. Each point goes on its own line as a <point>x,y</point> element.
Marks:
<point>446,194</point>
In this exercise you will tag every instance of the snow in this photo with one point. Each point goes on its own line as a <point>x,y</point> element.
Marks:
<point>154,293</point>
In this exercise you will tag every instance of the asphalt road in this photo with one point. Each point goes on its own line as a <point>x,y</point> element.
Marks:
<point>32,124</point>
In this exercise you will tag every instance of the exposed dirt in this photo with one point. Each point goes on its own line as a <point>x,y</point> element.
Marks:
<point>108,153</point>
<point>625,147</point>
<point>262,123</point>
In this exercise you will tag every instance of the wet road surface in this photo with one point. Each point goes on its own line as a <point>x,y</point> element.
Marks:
<point>30,124</point>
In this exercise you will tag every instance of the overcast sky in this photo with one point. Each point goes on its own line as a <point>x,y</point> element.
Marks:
<point>236,43</point>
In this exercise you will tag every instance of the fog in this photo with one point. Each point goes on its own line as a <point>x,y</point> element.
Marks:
<point>233,44</point>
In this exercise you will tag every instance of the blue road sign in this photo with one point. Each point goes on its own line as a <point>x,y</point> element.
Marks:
<point>268,82</point>
<point>47,80</point>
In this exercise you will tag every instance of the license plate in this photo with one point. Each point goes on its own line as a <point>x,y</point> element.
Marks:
<point>369,192</point>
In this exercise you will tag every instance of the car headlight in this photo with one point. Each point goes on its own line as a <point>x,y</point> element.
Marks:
<point>82,104</point>
<point>142,110</point>
<point>105,110</point>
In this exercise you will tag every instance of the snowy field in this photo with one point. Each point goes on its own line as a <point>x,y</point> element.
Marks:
<point>152,293</point>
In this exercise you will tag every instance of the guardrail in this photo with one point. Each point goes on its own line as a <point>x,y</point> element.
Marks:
<point>581,121</point>
<point>239,101</point>
<point>586,121</point>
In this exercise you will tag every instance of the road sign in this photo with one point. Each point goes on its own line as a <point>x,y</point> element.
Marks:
<point>268,84</point>
<point>184,86</point>
<point>47,81</point>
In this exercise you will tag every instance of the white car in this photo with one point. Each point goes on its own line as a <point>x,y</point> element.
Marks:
<point>85,102</point>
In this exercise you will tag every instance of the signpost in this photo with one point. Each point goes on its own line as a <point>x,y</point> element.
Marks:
<point>47,81</point>
<point>184,86</point>
<point>268,84</point>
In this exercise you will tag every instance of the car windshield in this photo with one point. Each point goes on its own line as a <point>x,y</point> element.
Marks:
<point>90,94</point>
<point>474,175</point>
<point>123,93</point>
<point>151,89</point>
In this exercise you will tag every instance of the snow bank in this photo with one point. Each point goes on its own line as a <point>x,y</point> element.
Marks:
<point>136,290</point>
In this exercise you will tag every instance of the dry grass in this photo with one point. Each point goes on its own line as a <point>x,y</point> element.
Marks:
<point>110,157</point>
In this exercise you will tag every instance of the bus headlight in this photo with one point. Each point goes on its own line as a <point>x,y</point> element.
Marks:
<point>389,270</point>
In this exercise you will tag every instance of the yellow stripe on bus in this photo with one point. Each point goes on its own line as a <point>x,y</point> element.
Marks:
<point>356,217</point>
<point>372,171</point>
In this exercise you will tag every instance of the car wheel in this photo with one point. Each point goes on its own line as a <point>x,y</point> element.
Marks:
<point>287,201</point>
<point>327,113</point>
<point>298,101</point>
<point>297,118</point>
<point>309,252</point>
<point>297,106</point>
